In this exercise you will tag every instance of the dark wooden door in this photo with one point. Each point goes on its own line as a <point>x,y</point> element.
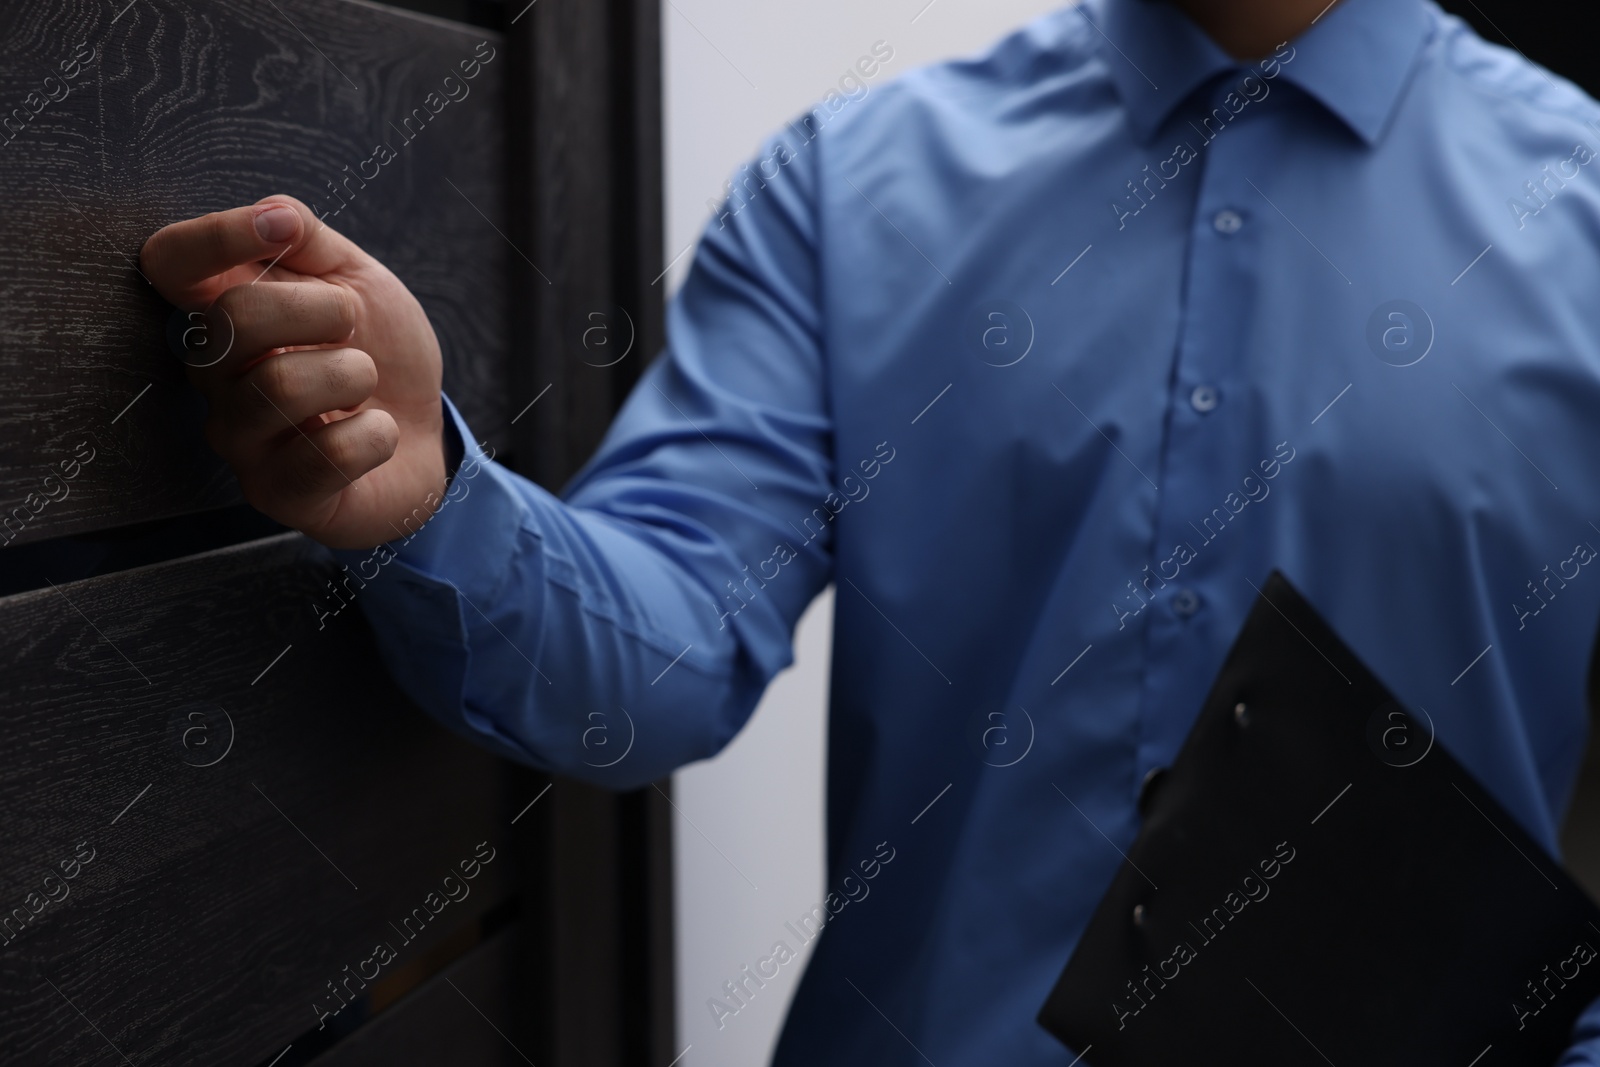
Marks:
<point>227,838</point>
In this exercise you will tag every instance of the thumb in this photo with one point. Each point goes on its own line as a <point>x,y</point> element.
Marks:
<point>314,248</point>
<point>192,262</point>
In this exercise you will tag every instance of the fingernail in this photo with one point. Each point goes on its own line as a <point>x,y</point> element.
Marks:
<point>276,224</point>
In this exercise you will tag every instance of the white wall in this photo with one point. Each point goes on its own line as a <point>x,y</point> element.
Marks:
<point>749,836</point>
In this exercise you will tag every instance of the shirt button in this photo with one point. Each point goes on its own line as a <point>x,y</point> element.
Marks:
<point>1204,398</point>
<point>1185,602</point>
<point>1227,221</point>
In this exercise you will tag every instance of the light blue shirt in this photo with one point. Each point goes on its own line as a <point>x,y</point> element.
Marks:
<point>1047,358</point>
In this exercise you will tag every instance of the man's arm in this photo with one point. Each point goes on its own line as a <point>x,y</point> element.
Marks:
<point>646,613</point>
<point>1585,1048</point>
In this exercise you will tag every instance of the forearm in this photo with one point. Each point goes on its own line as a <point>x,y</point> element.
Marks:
<point>646,615</point>
<point>564,637</point>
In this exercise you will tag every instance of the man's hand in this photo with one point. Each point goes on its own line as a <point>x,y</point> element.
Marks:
<point>327,404</point>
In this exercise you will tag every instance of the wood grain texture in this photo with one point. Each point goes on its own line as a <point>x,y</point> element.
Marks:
<point>179,107</point>
<point>220,899</point>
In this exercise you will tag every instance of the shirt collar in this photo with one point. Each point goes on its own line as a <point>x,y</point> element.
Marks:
<point>1355,60</point>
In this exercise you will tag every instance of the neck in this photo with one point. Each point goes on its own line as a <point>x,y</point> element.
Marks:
<point>1249,29</point>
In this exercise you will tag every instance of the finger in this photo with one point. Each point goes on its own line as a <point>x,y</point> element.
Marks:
<point>275,397</point>
<point>298,484</point>
<point>319,249</point>
<point>187,261</point>
<point>182,258</point>
<point>249,320</point>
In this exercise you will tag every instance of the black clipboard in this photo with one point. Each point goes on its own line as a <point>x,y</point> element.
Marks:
<point>1317,881</point>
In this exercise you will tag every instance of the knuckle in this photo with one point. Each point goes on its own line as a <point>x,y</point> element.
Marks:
<point>339,375</point>
<point>351,373</point>
<point>346,450</point>
<point>360,446</point>
<point>344,310</point>
<point>234,303</point>
<point>294,304</point>
<point>377,442</point>
<point>276,381</point>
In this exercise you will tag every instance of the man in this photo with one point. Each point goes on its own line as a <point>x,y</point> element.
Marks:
<point>1047,359</point>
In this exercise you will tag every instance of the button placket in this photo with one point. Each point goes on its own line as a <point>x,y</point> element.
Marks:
<point>1220,249</point>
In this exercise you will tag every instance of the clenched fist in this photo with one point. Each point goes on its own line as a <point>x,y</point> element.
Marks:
<point>327,404</point>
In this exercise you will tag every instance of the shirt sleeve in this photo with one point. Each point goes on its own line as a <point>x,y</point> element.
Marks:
<point>631,626</point>
<point>1585,1048</point>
